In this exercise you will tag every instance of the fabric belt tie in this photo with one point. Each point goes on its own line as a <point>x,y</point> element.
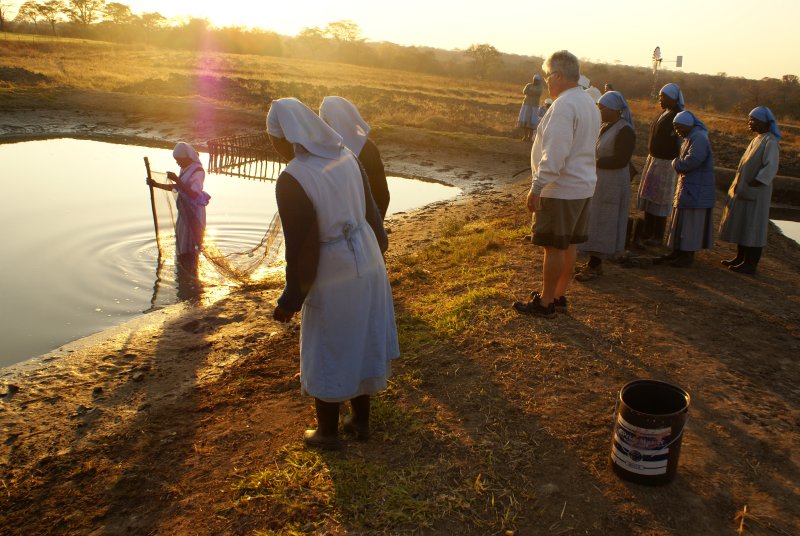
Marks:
<point>348,232</point>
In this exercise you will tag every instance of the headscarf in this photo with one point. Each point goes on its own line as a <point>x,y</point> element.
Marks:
<point>584,82</point>
<point>762,113</point>
<point>292,120</point>
<point>184,150</point>
<point>537,78</point>
<point>688,119</point>
<point>674,92</point>
<point>343,117</point>
<point>616,101</point>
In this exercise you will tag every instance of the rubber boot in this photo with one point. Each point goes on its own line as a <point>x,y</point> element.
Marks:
<point>739,259</point>
<point>659,226</point>
<point>751,257</point>
<point>326,436</point>
<point>669,257</point>
<point>684,259</point>
<point>357,423</point>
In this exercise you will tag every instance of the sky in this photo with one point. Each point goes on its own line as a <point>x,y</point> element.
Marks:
<point>713,36</point>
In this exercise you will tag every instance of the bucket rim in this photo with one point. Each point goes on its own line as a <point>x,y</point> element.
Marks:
<point>681,391</point>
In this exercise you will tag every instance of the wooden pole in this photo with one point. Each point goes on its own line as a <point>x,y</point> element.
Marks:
<point>153,206</point>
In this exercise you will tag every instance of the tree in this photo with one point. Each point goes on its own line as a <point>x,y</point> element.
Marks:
<point>85,11</point>
<point>152,21</point>
<point>313,39</point>
<point>485,57</point>
<point>345,31</point>
<point>790,80</point>
<point>51,11</point>
<point>118,13</point>
<point>4,5</point>
<point>28,13</point>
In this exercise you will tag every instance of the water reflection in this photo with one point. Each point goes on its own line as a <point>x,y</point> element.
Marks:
<point>79,251</point>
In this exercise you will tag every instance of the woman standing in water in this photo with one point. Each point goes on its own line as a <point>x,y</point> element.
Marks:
<point>334,239</point>
<point>191,203</point>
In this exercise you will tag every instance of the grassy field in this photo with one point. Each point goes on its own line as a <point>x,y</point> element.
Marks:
<point>385,97</point>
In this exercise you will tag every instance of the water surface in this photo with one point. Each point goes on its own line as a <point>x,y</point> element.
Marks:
<point>78,246</point>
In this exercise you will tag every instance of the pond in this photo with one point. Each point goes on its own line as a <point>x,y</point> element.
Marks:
<point>790,229</point>
<point>79,249</point>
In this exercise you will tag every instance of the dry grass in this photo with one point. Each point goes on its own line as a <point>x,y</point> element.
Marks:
<point>386,97</point>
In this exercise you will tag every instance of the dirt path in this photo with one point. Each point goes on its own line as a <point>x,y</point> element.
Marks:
<point>502,426</point>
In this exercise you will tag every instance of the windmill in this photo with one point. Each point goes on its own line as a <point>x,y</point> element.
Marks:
<point>657,59</point>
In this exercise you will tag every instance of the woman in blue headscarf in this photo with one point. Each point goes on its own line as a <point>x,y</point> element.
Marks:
<point>745,219</point>
<point>657,185</point>
<point>691,224</point>
<point>608,212</point>
<point>528,118</point>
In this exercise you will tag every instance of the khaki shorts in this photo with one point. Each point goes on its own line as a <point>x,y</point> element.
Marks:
<point>559,223</point>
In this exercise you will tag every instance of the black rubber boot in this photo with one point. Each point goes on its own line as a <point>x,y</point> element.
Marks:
<point>659,226</point>
<point>751,257</point>
<point>663,259</point>
<point>326,436</point>
<point>357,423</point>
<point>739,259</point>
<point>684,259</point>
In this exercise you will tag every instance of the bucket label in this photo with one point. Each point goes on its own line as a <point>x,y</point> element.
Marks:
<point>643,451</point>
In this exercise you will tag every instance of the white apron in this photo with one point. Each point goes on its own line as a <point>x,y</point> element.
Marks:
<point>348,334</point>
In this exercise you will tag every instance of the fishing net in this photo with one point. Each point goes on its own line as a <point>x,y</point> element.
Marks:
<point>241,266</point>
<point>249,156</point>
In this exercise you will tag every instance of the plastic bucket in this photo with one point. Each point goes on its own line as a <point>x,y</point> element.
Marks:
<point>650,419</point>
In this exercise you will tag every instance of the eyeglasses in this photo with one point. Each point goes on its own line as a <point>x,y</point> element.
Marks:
<point>548,75</point>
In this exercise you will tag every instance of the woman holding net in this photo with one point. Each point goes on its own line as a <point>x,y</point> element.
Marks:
<point>191,203</point>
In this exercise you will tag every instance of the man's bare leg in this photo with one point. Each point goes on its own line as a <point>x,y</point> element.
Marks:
<point>570,255</point>
<point>552,267</point>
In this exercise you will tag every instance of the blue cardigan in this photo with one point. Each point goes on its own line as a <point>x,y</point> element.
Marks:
<point>695,167</point>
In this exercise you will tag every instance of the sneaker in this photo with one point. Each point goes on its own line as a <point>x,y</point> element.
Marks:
<point>535,308</point>
<point>561,304</point>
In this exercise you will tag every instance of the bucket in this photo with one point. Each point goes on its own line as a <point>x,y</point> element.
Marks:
<point>650,419</point>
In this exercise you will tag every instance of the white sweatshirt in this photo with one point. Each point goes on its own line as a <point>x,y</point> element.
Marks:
<point>563,153</point>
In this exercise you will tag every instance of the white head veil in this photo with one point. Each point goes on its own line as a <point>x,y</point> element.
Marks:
<point>184,150</point>
<point>343,117</point>
<point>292,120</point>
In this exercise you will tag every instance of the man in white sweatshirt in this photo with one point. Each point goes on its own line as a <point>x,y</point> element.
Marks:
<point>564,177</point>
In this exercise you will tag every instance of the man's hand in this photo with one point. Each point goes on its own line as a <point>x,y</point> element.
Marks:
<point>281,315</point>
<point>533,201</point>
<point>171,176</point>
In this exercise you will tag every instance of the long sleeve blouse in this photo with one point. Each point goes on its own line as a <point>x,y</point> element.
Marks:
<point>664,143</point>
<point>370,158</point>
